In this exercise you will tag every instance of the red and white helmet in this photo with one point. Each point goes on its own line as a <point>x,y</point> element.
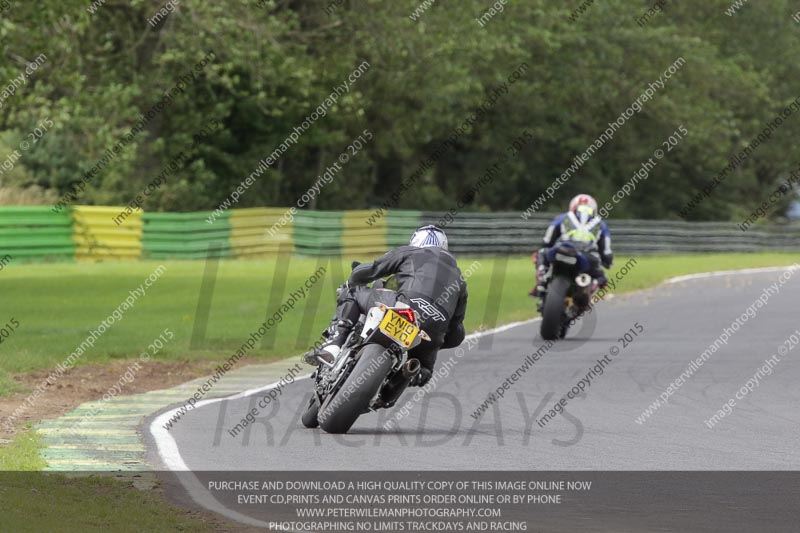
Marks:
<point>583,199</point>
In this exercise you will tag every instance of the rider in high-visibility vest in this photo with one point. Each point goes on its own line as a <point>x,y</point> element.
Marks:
<point>580,224</point>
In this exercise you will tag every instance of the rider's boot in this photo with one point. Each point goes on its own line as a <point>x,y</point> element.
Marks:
<point>540,287</point>
<point>328,351</point>
<point>600,282</point>
<point>542,277</point>
<point>336,334</point>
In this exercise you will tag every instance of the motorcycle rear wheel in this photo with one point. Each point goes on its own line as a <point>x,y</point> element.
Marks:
<point>340,411</point>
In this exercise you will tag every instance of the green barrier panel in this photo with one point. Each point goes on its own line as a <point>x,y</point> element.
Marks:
<point>185,235</point>
<point>35,232</point>
<point>400,225</point>
<point>318,232</point>
<point>8,234</point>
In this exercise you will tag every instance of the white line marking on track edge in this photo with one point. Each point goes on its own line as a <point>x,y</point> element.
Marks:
<point>170,455</point>
<point>718,273</point>
<point>167,447</point>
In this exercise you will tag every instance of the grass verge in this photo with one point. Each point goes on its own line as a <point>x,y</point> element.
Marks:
<point>58,305</point>
<point>35,501</point>
<point>22,453</point>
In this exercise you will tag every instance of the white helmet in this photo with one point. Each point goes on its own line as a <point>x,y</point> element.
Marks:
<point>429,236</point>
<point>583,199</point>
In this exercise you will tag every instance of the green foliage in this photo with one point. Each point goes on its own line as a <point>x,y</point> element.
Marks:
<point>275,62</point>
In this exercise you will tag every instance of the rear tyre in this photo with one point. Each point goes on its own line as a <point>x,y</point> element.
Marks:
<point>309,417</point>
<point>340,411</point>
<point>554,305</point>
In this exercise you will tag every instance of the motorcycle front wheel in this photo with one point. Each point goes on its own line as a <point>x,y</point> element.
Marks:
<point>309,417</point>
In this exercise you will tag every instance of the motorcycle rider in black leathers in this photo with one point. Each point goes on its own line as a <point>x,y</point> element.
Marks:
<point>428,280</point>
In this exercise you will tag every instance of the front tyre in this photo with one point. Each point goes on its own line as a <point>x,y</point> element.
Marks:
<point>341,410</point>
<point>554,306</point>
<point>309,417</point>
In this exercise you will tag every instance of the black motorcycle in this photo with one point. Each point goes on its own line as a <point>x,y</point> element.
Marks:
<point>371,371</point>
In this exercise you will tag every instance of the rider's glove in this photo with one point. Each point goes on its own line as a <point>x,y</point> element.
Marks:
<point>343,289</point>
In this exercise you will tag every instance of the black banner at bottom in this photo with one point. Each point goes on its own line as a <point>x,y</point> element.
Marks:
<point>334,502</point>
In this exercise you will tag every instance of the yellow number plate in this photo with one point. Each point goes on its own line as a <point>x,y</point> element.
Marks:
<point>398,328</point>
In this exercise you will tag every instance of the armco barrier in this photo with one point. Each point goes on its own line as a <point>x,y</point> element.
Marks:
<point>185,235</point>
<point>261,230</point>
<point>97,236</point>
<point>400,225</point>
<point>509,233</point>
<point>35,233</point>
<point>90,233</point>
<point>358,237</point>
<point>318,232</point>
<point>348,233</point>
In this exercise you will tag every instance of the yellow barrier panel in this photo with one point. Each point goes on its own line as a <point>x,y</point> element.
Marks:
<point>261,231</point>
<point>97,235</point>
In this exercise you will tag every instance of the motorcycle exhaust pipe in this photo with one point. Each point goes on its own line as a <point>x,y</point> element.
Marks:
<point>392,390</point>
<point>411,368</point>
<point>584,283</point>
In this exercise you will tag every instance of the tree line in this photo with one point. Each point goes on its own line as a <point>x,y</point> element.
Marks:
<point>444,95</point>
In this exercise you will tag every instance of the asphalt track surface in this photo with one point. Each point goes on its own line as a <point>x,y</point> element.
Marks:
<point>598,432</point>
